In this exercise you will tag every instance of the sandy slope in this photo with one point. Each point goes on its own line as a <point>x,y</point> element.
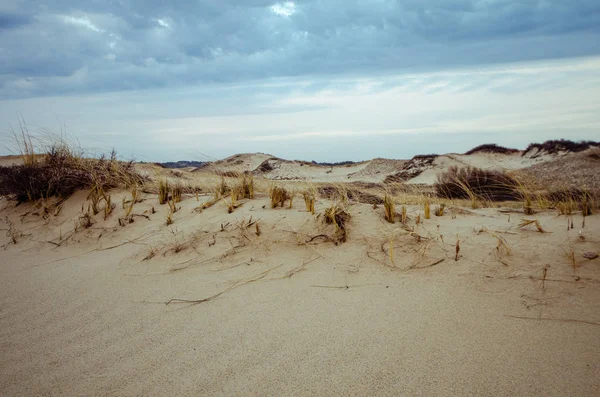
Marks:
<point>373,171</point>
<point>88,317</point>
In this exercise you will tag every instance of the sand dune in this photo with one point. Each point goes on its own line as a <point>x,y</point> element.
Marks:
<point>215,305</point>
<point>419,170</point>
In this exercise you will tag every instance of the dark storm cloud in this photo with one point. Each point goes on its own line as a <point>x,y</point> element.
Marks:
<point>66,46</point>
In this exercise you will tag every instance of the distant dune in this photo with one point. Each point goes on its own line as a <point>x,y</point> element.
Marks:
<point>421,169</point>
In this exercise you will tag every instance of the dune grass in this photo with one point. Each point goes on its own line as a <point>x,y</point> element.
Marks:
<point>389,207</point>
<point>60,169</point>
<point>476,184</point>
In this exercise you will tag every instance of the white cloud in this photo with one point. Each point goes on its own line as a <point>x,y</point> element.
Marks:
<point>284,9</point>
<point>163,23</point>
<point>84,22</point>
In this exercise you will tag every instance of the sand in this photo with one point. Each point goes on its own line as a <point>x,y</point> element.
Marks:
<point>89,317</point>
<point>375,170</point>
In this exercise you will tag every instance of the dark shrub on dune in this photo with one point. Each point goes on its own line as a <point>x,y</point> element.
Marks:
<point>561,145</point>
<point>492,148</point>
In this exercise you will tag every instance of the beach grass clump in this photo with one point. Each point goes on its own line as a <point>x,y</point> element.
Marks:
<point>279,195</point>
<point>427,209</point>
<point>163,191</point>
<point>567,201</point>
<point>59,170</point>
<point>177,192</point>
<point>234,195</point>
<point>476,184</point>
<point>389,208</point>
<point>246,186</point>
<point>338,215</point>
<point>309,200</point>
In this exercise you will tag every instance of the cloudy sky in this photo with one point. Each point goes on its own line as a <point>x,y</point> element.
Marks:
<point>328,80</point>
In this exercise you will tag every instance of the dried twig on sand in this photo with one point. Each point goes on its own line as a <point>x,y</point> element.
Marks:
<point>238,284</point>
<point>528,222</point>
<point>564,320</point>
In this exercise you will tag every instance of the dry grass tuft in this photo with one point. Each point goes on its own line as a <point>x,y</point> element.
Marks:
<point>247,186</point>
<point>48,207</point>
<point>502,243</point>
<point>222,188</point>
<point>172,206</point>
<point>279,196</point>
<point>108,207</point>
<point>529,222</point>
<point>13,233</point>
<point>439,211</point>
<point>427,207</point>
<point>85,221</point>
<point>338,216</point>
<point>150,254</point>
<point>586,205</point>
<point>292,194</point>
<point>390,208</point>
<point>163,191</point>
<point>309,200</point>
<point>177,191</point>
<point>234,196</point>
<point>571,257</point>
<point>527,205</point>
